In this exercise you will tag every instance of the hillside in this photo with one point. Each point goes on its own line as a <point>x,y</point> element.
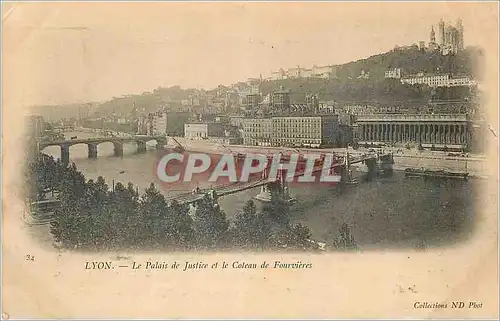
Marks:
<point>387,92</point>
<point>470,62</point>
<point>347,86</point>
<point>58,112</point>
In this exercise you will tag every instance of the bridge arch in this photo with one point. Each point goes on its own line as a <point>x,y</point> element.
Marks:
<point>150,140</point>
<point>53,144</point>
<point>51,149</point>
<point>100,142</point>
<point>142,143</point>
<point>103,148</point>
<point>158,140</point>
<point>77,143</point>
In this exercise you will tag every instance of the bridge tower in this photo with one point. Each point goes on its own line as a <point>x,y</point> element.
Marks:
<point>265,193</point>
<point>347,160</point>
<point>213,196</point>
<point>345,171</point>
<point>385,163</point>
<point>372,165</point>
<point>283,192</point>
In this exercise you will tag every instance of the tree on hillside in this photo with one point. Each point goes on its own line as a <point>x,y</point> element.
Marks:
<point>210,225</point>
<point>251,230</point>
<point>123,206</point>
<point>43,174</point>
<point>95,206</point>
<point>152,216</point>
<point>180,226</point>
<point>69,223</point>
<point>293,238</point>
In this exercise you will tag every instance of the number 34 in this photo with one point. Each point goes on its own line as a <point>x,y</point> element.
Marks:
<point>29,257</point>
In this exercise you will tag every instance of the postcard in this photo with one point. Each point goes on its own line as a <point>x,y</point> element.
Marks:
<point>250,160</point>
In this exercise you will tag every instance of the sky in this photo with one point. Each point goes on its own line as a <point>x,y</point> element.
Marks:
<point>57,53</point>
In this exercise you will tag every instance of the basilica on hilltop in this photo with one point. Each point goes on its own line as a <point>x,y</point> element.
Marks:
<point>451,38</point>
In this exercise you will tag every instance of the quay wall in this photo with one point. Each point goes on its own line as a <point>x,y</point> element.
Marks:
<point>207,146</point>
<point>475,164</point>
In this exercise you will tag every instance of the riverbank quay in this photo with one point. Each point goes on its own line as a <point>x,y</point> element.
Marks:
<point>476,164</point>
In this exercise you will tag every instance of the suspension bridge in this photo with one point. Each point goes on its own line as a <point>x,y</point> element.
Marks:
<point>222,190</point>
<point>42,211</point>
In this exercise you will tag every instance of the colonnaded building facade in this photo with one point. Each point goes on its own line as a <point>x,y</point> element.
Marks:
<point>428,130</point>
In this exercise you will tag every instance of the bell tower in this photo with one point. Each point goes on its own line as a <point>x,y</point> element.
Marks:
<point>460,29</point>
<point>441,32</point>
<point>432,36</point>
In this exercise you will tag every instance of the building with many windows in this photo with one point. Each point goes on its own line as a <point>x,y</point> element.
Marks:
<point>326,107</point>
<point>461,81</point>
<point>257,131</point>
<point>199,131</point>
<point>300,130</point>
<point>142,125</point>
<point>313,131</point>
<point>236,121</point>
<point>438,80</point>
<point>394,73</point>
<point>319,72</point>
<point>159,126</point>
<point>162,123</point>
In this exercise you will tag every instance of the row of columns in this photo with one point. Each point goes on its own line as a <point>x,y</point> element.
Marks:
<point>453,134</point>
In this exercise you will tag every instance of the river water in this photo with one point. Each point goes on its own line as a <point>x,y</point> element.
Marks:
<point>391,212</point>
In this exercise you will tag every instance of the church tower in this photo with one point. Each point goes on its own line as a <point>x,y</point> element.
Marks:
<point>460,29</point>
<point>432,40</point>
<point>441,32</point>
<point>433,36</point>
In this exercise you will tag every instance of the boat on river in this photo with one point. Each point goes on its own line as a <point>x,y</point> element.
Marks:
<point>428,173</point>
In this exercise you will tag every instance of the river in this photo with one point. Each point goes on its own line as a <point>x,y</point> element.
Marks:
<point>391,212</point>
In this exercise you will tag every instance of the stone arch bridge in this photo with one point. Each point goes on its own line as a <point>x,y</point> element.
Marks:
<point>92,143</point>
